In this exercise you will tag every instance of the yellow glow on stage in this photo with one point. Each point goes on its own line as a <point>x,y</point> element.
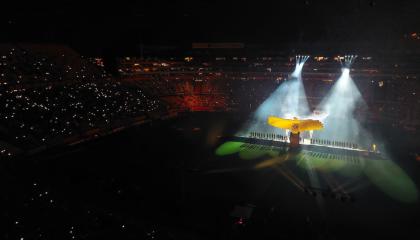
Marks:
<point>295,125</point>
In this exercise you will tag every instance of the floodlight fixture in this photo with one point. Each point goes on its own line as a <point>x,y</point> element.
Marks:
<point>300,61</point>
<point>347,61</point>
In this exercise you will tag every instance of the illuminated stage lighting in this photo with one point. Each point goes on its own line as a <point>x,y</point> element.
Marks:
<point>287,101</point>
<point>346,72</point>
<point>300,61</point>
<point>339,148</point>
<point>344,79</point>
<point>339,105</point>
<point>335,111</point>
<point>379,170</point>
<point>347,61</point>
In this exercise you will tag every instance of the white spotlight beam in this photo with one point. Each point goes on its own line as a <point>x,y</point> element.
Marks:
<point>300,61</point>
<point>348,61</point>
<point>339,105</point>
<point>287,101</point>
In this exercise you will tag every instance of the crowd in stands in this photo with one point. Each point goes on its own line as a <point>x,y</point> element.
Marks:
<point>185,93</point>
<point>49,98</point>
<point>391,92</point>
<point>49,93</point>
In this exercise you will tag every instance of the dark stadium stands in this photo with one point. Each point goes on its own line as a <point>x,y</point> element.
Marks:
<point>51,95</point>
<point>388,87</point>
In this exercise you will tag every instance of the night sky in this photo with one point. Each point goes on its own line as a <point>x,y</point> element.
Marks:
<point>124,24</point>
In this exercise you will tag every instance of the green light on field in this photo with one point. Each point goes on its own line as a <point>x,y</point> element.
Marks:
<point>246,151</point>
<point>259,151</point>
<point>384,174</point>
<point>392,180</point>
<point>228,148</point>
<point>319,161</point>
<point>352,170</point>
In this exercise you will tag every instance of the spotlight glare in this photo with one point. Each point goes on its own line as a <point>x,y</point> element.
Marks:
<point>300,61</point>
<point>348,60</point>
<point>339,106</point>
<point>288,99</point>
<point>346,73</point>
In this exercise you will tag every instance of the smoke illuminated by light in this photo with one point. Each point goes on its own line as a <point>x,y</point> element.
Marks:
<point>287,101</point>
<point>300,61</point>
<point>340,105</point>
<point>336,110</point>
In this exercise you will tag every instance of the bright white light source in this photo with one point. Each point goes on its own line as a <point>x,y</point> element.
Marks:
<point>340,104</point>
<point>346,73</point>
<point>287,101</point>
<point>300,61</point>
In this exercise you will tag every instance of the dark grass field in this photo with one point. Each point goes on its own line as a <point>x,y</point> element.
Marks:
<point>164,180</point>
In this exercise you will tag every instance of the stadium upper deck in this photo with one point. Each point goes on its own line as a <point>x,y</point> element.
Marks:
<point>388,84</point>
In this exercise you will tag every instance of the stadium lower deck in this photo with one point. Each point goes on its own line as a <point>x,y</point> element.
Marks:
<point>182,178</point>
